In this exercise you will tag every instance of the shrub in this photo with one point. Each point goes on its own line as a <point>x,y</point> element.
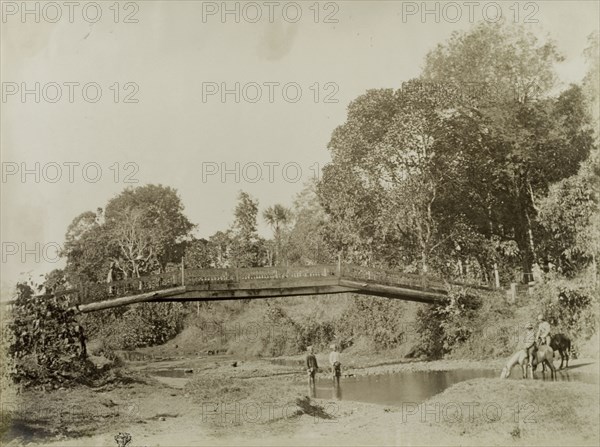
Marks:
<point>379,319</point>
<point>144,324</point>
<point>47,344</point>
<point>570,309</point>
<point>283,336</point>
<point>314,333</point>
<point>448,324</point>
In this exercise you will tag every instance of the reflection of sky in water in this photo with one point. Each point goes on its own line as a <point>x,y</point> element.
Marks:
<point>393,389</point>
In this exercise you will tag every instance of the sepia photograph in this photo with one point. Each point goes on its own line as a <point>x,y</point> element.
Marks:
<point>299,223</point>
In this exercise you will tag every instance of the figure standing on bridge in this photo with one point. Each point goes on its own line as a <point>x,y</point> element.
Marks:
<point>312,367</point>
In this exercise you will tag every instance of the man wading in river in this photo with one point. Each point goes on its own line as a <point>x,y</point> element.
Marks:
<point>336,371</point>
<point>336,366</point>
<point>311,364</point>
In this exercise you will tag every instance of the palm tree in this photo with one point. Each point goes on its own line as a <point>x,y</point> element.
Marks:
<point>278,217</point>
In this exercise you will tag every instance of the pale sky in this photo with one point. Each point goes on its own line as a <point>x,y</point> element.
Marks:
<point>172,54</point>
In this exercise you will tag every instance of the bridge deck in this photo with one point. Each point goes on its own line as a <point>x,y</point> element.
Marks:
<point>257,283</point>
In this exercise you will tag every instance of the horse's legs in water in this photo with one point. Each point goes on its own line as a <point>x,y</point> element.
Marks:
<point>562,358</point>
<point>552,368</point>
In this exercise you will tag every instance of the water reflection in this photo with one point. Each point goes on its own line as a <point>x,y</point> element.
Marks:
<point>337,389</point>
<point>395,388</point>
<point>312,385</point>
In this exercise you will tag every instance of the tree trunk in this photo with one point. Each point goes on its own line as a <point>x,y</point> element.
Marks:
<point>522,236</point>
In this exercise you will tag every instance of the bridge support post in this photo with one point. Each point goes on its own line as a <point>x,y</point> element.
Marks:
<point>512,293</point>
<point>496,276</point>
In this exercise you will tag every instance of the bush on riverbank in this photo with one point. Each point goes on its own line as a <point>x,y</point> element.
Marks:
<point>491,327</point>
<point>140,325</point>
<point>382,323</point>
<point>445,326</point>
<point>569,308</point>
<point>47,346</point>
<point>286,326</point>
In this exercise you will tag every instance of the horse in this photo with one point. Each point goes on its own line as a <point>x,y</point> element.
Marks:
<point>562,344</point>
<point>519,358</point>
<point>545,355</point>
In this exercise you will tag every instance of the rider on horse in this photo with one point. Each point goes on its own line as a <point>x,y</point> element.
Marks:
<point>543,332</point>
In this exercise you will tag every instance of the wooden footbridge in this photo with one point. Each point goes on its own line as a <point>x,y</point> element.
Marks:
<point>255,283</point>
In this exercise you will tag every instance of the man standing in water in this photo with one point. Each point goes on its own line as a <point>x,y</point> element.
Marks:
<point>336,366</point>
<point>336,370</point>
<point>311,364</point>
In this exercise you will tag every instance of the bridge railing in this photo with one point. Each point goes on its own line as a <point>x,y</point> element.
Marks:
<point>94,292</point>
<point>409,280</point>
<point>391,277</point>
<point>203,276</point>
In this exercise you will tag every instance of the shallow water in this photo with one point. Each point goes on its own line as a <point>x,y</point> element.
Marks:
<point>396,388</point>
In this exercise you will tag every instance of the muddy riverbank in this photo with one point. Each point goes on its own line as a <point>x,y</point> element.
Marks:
<point>219,400</point>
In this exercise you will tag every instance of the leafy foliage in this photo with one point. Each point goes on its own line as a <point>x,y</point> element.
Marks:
<point>140,325</point>
<point>570,215</point>
<point>447,325</point>
<point>571,310</point>
<point>438,173</point>
<point>247,248</point>
<point>307,241</point>
<point>278,217</point>
<point>380,320</point>
<point>47,346</point>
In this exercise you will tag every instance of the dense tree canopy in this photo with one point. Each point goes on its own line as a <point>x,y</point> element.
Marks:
<point>441,173</point>
<point>141,231</point>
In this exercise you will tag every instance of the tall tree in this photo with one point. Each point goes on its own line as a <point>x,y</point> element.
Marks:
<point>399,162</point>
<point>247,248</point>
<point>591,82</point>
<point>142,229</point>
<point>536,139</point>
<point>278,217</point>
<point>148,227</point>
<point>308,241</point>
<point>86,248</point>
